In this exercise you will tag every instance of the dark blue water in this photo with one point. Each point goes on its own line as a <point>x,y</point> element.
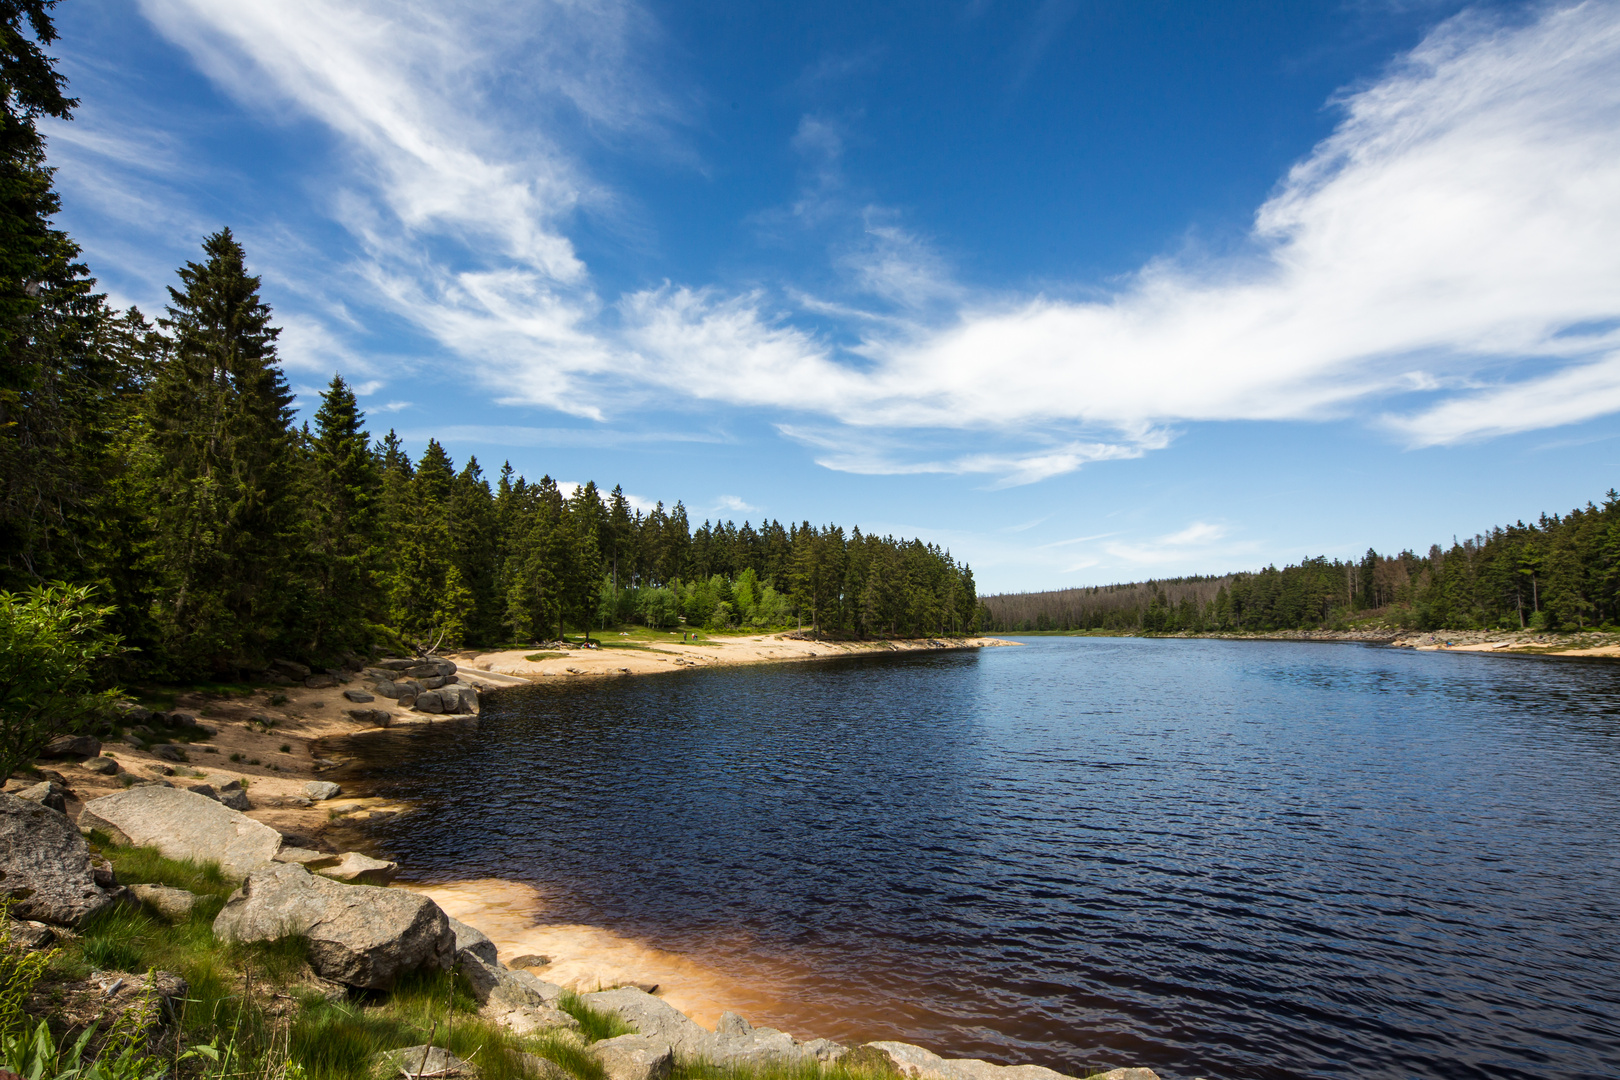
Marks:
<point>1221,859</point>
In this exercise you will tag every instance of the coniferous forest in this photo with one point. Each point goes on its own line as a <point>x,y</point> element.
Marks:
<point>154,470</point>
<point>1559,573</point>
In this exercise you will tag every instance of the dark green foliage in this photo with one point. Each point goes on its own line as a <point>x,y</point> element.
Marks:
<point>344,518</point>
<point>1561,573</point>
<point>223,471</point>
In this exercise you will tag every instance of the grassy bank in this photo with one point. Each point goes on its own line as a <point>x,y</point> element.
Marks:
<point>258,1010</point>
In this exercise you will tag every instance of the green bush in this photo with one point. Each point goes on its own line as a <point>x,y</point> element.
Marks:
<point>53,648</point>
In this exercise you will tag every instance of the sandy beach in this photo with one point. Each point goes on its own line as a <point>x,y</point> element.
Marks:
<point>617,655</point>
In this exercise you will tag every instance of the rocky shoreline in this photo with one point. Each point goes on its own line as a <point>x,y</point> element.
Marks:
<point>269,819</point>
<point>1530,642</point>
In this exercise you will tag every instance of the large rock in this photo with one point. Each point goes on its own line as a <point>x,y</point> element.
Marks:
<point>320,682</point>
<point>106,766</point>
<point>921,1064</point>
<point>448,699</point>
<point>321,790</point>
<point>45,865</point>
<point>80,746</point>
<point>634,1057</point>
<point>358,935</point>
<point>290,668</point>
<point>359,697</point>
<point>736,1041</point>
<point>472,940</point>
<point>431,667</point>
<point>183,825</point>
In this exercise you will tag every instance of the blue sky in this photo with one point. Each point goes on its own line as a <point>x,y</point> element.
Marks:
<point>1086,292</point>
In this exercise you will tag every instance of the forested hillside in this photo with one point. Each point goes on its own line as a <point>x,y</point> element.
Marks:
<point>1560,573</point>
<point>160,465</point>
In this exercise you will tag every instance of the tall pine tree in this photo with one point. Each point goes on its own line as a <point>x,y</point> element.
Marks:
<point>222,476</point>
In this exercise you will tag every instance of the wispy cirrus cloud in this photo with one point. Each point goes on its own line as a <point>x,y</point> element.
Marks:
<point>1421,269</point>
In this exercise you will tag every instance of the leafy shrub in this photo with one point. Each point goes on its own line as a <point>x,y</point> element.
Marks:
<point>52,650</point>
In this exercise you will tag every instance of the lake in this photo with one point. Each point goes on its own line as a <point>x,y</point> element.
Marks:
<point>1214,858</point>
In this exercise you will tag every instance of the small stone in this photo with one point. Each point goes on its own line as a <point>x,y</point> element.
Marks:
<point>357,869</point>
<point>308,858</point>
<point>424,1063</point>
<point>321,790</point>
<point>634,1057</point>
<point>291,668</point>
<point>47,793</point>
<point>106,766</point>
<point>530,960</point>
<point>172,904</point>
<point>83,746</point>
<point>28,934</point>
<point>169,752</point>
<point>359,697</point>
<point>320,682</point>
<point>205,790</point>
<point>374,717</point>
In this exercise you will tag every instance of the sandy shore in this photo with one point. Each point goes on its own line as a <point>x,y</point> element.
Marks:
<point>1530,642</point>
<point>623,657</point>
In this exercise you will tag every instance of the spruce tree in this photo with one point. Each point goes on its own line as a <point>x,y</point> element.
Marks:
<point>222,479</point>
<point>345,508</point>
<point>63,401</point>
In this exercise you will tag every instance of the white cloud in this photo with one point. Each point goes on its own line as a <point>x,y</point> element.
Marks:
<point>733,504</point>
<point>1421,267</point>
<point>1462,215</point>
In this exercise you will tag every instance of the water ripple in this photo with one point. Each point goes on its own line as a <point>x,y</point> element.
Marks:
<point>1225,859</point>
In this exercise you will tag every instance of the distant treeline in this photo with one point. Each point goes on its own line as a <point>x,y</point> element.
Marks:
<point>161,465</point>
<point>1560,573</point>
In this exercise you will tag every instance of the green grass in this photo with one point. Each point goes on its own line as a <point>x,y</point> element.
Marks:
<point>162,697</point>
<point>608,643</point>
<point>594,1024</point>
<point>253,1003</point>
<point>535,658</point>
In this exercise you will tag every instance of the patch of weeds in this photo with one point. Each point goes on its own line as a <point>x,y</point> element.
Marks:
<point>535,658</point>
<point>278,699</point>
<point>286,748</point>
<point>144,865</point>
<point>209,749</point>
<point>114,938</point>
<point>253,761</point>
<point>236,756</point>
<point>593,1023</point>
